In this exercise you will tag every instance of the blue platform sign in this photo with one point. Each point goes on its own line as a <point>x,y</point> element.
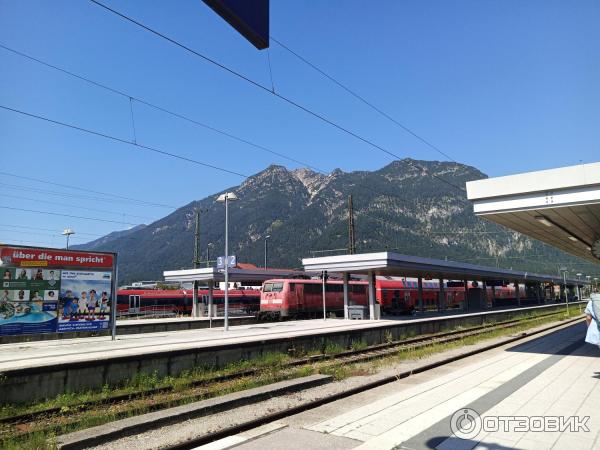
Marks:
<point>231,261</point>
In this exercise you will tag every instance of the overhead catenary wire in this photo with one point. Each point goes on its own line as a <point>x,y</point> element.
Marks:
<point>51,213</point>
<point>130,97</point>
<point>118,213</point>
<point>362,99</point>
<point>45,229</point>
<point>261,86</point>
<point>124,141</point>
<point>40,180</point>
<point>186,118</point>
<point>62,194</point>
<point>56,234</point>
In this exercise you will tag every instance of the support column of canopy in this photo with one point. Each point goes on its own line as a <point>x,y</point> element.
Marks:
<point>466,287</point>
<point>346,277</point>
<point>517,293</point>
<point>195,309</point>
<point>441,302</point>
<point>420,306</point>
<point>211,311</point>
<point>485,294</point>
<point>371,295</point>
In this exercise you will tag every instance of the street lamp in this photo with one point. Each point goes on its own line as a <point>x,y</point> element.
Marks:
<point>226,198</point>
<point>68,232</point>
<point>266,238</point>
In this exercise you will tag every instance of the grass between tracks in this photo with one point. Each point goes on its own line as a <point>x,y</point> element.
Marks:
<point>74,415</point>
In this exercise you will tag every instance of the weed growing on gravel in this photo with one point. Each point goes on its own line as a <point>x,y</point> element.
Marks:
<point>358,345</point>
<point>332,348</point>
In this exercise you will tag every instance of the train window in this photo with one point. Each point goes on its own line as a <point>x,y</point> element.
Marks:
<point>335,288</point>
<point>313,288</point>
<point>273,287</point>
<point>359,288</point>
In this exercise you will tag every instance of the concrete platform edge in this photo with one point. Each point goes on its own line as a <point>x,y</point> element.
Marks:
<point>133,425</point>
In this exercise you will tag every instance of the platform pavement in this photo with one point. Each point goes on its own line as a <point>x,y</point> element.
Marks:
<point>529,380</point>
<point>555,374</point>
<point>31,354</point>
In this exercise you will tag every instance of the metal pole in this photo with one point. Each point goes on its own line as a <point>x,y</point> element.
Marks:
<point>372,295</point>
<point>324,306</point>
<point>441,295</point>
<point>266,238</point>
<point>210,303</point>
<point>420,306</point>
<point>226,319</point>
<point>195,306</point>
<point>566,292</point>
<point>68,241</point>
<point>113,306</point>
<point>346,276</point>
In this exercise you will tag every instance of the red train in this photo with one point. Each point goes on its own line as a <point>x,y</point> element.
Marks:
<point>179,302</point>
<point>283,298</point>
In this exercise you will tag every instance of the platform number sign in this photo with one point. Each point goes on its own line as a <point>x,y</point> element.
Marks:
<point>231,261</point>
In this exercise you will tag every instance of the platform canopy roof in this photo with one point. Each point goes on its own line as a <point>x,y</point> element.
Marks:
<point>240,275</point>
<point>560,207</point>
<point>395,264</point>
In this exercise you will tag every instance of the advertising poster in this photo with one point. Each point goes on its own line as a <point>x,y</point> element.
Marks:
<point>50,290</point>
<point>85,299</point>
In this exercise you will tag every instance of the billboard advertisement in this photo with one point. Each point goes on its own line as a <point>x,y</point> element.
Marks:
<point>56,291</point>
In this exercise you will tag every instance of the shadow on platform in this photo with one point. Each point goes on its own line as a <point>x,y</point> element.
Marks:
<point>455,443</point>
<point>576,348</point>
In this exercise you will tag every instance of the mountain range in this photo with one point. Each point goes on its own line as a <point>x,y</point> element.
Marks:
<point>411,207</point>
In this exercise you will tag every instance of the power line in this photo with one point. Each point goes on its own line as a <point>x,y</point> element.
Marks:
<point>157,107</point>
<point>74,206</point>
<point>261,86</point>
<point>67,215</point>
<point>180,116</point>
<point>114,138</point>
<point>56,193</point>
<point>123,141</point>
<point>56,234</point>
<point>362,99</point>
<point>39,180</point>
<point>46,229</point>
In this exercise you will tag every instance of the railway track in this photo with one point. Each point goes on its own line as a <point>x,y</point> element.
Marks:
<point>23,421</point>
<point>273,417</point>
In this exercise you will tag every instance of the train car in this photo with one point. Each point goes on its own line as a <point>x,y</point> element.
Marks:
<point>303,298</point>
<point>296,298</point>
<point>401,295</point>
<point>177,302</point>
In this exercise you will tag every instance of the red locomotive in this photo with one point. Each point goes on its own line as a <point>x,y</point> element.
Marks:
<point>293,298</point>
<point>179,301</point>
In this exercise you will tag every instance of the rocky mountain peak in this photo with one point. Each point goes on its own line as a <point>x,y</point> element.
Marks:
<point>406,206</point>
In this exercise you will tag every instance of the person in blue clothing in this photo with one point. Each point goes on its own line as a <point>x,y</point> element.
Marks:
<point>592,317</point>
<point>68,302</point>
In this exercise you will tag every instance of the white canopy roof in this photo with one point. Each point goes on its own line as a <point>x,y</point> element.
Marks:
<point>560,207</point>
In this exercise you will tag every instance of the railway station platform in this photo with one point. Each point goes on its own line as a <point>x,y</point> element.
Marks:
<point>540,394</point>
<point>65,365</point>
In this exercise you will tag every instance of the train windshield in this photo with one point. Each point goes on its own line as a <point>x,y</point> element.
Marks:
<point>273,287</point>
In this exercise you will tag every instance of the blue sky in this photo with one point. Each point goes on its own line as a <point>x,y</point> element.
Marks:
<point>505,86</point>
